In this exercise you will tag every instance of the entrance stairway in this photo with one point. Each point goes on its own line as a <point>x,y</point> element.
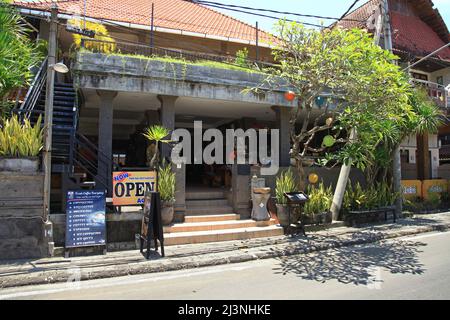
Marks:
<point>209,218</point>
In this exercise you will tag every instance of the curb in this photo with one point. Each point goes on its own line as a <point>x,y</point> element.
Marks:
<point>102,272</point>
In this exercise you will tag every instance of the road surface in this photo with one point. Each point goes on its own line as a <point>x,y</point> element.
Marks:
<point>404,268</point>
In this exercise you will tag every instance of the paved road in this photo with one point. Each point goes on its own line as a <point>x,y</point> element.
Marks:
<point>406,268</point>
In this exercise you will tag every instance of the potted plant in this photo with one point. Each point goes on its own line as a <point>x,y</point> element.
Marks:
<point>20,144</point>
<point>166,188</point>
<point>285,182</point>
<point>155,133</point>
<point>317,209</point>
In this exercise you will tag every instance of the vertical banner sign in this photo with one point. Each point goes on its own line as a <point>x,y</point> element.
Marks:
<point>85,218</point>
<point>129,187</point>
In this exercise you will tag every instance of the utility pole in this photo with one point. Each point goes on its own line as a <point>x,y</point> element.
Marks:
<point>152,27</point>
<point>48,118</point>
<point>344,174</point>
<point>396,163</point>
<point>257,42</point>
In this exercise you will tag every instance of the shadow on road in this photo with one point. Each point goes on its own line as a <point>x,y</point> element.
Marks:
<point>355,265</point>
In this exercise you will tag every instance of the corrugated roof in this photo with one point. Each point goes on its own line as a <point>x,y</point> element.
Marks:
<point>170,14</point>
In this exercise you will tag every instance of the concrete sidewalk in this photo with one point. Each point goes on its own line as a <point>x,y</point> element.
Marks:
<point>58,269</point>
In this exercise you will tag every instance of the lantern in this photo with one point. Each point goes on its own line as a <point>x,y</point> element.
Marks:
<point>289,96</point>
<point>329,121</point>
<point>328,141</point>
<point>313,178</point>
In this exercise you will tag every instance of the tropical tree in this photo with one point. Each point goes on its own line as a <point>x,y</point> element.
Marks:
<point>156,133</point>
<point>17,53</point>
<point>342,81</point>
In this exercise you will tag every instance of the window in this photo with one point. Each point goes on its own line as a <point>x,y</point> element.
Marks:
<point>440,80</point>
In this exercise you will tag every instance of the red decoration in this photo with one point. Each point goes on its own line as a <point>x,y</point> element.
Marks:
<point>289,96</point>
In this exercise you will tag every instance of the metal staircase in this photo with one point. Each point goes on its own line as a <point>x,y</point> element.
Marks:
<point>74,157</point>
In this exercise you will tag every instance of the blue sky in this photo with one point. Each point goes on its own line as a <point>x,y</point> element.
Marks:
<point>332,8</point>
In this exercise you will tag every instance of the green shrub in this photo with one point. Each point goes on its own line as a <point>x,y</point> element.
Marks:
<point>166,183</point>
<point>376,196</point>
<point>285,183</point>
<point>19,140</point>
<point>320,199</point>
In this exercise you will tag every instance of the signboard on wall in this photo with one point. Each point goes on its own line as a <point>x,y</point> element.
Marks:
<point>85,218</point>
<point>129,187</point>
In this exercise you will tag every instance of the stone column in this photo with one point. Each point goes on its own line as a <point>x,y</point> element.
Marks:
<point>105,127</point>
<point>282,123</point>
<point>240,184</point>
<point>423,157</point>
<point>167,117</point>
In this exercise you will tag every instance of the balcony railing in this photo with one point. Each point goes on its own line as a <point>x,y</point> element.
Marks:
<point>132,48</point>
<point>436,91</point>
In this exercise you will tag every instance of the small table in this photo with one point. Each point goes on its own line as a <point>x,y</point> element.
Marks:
<point>295,199</point>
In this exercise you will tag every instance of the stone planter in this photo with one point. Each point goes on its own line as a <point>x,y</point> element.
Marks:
<point>19,164</point>
<point>167,212</point>
<point>317,218</point>
<point>283,215</point>
<point>353,218</point>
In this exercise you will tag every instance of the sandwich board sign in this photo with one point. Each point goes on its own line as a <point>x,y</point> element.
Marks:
<point>129,187</point>
<point>85,218</point>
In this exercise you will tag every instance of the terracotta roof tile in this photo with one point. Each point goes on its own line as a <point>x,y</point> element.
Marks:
<point>171,14</point>
<point>410,33</point>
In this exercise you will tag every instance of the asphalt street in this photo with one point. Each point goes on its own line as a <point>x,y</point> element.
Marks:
<point>404,268</point>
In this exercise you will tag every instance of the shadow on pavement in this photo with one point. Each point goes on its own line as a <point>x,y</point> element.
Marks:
<point>355,265</point>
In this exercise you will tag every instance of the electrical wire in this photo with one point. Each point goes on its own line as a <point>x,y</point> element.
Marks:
<point>265,16</point>
<point>269,10</point>
<point>348,10</point>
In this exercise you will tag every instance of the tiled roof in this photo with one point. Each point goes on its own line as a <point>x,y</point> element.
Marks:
<point>170,14</point>
<point>417,35</point>
<point>413,35</point>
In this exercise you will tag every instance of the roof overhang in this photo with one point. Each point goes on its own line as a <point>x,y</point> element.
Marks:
<point>65,16</point>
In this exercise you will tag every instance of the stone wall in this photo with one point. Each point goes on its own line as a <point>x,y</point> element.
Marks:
<point>22,230</point>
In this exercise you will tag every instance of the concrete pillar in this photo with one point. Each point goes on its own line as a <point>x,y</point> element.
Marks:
<point>283,117</point>
<point>180,192</point>
<point>423,157</point>
<point>240,184</point>
<point>105,127</point>
<point>167,117</point>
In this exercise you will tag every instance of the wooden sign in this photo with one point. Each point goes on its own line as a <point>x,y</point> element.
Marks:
<point>129,187</point>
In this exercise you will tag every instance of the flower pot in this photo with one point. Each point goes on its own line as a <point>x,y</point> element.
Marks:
<point>19,164</point>
<point>283,215</point>
<point>167,212</point>
<point>317,218</point>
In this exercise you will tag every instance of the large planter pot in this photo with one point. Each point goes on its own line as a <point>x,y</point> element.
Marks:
<point>353,218</point>
<point>283,215</point>
<point>19,164</point>
<point>317,218</point>
<point>167,212</point>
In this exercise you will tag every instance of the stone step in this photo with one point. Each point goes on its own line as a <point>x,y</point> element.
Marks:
<point>206,203</point>
<point>205,195</point>
<point>212,218</point>
<point>208,210</point>
<point>179,238</point>
<point>217,225</point>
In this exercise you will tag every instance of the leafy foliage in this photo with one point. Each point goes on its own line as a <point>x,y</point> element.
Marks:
<point>285,182</point>
<point>242,58</point>
<point>106,44</point>
<point>364,87</point>
<point>320,199</point>
<point>17,53</point>
<point>166,183</point>
<point>156,133</point>
<point>20,140</point>
<point>375,196</point>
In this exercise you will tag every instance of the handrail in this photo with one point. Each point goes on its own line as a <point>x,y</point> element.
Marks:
<point>35,89</point>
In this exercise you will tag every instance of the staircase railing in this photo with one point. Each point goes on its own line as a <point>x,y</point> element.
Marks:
<point>34,91</point>
<point>87,156</point>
